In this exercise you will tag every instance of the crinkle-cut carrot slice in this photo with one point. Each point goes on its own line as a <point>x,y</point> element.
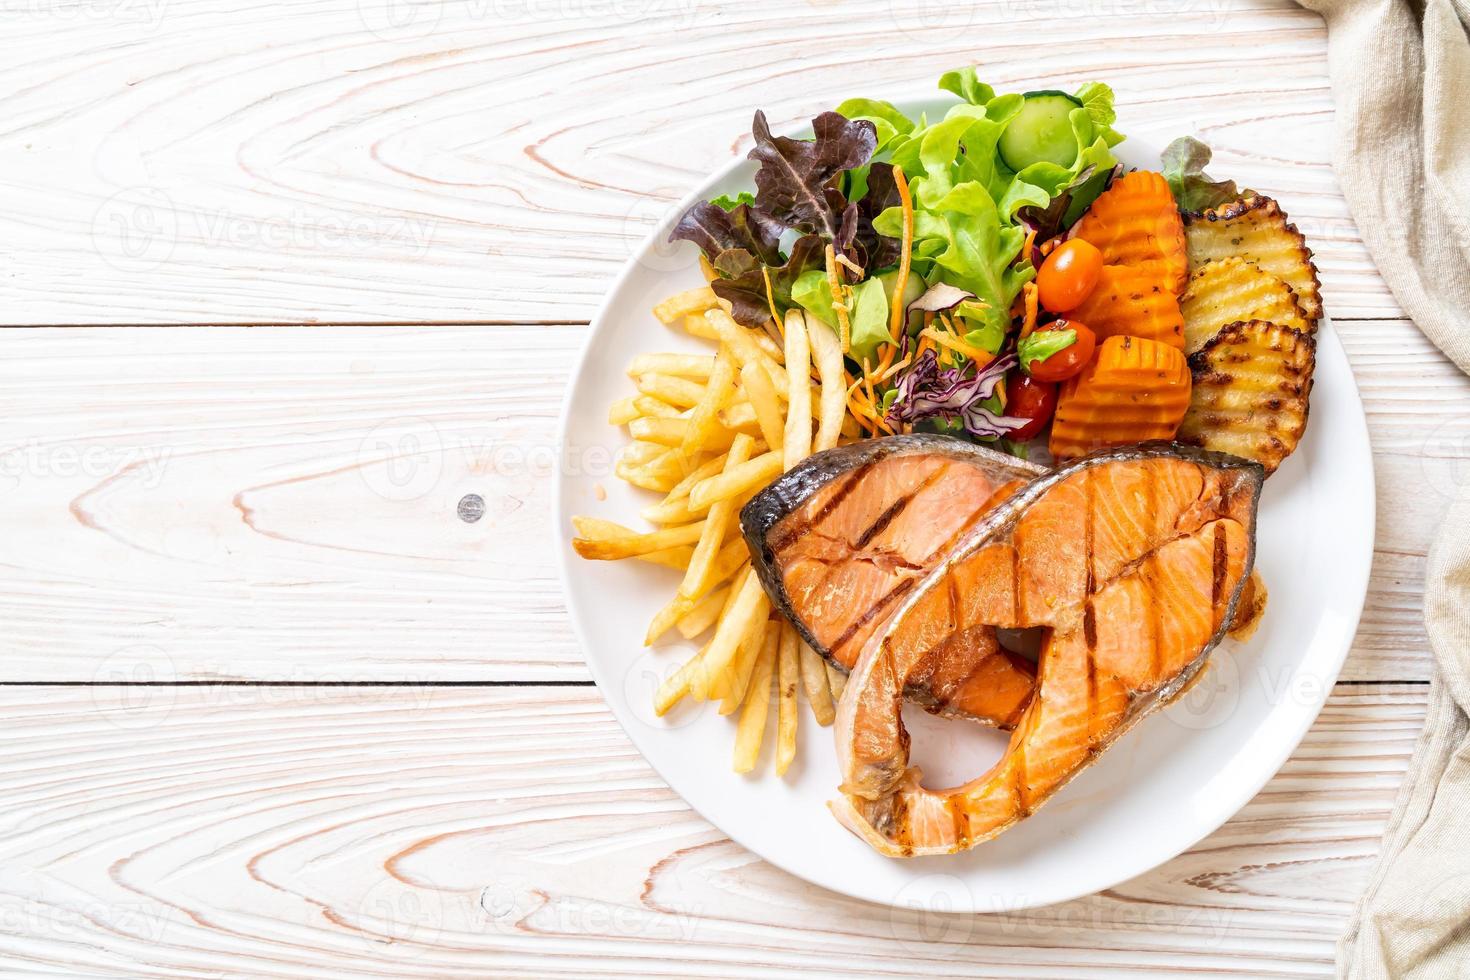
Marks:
<point>1133,390</point>
<point>1133,303</point>
<point>1136,223</point>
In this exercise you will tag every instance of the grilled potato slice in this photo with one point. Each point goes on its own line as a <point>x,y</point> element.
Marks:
<point>1233,290</point>
<point>1252,381</point>
<point>1256,229</point>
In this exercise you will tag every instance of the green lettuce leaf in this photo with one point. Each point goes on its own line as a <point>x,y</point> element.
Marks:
<point>869,319</point>
<point>1184,162</point>
<point>967,85</point>
<point>1043,344</point>
<point>727,203</point>
<point>1097,99</point>
<point>813,293</point>
<point>868,316</point>
<point>974,249</point>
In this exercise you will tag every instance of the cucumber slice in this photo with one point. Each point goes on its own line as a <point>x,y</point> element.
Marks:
<point>1041,132</point>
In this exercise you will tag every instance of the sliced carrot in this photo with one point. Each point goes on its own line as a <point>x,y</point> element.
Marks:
<point>1135,222</point>
<point>1132,391</point>
<point>1133,303</point>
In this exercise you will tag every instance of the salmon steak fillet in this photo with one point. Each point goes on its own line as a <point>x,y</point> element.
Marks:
<point>1131,560</point>
<point>843,538</point>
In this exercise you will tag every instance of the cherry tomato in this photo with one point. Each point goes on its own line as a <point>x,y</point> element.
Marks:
<point>1027,398</point>
<point>1070,359</point>
<point>1069,275</point>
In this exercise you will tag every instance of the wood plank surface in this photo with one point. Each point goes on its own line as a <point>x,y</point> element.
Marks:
<point>279,504</point>
<point>190,512</point>
<point>397,161</point>
<point>402,832</point>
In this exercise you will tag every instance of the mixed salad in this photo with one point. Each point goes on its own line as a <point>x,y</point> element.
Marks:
<point>937,251</point>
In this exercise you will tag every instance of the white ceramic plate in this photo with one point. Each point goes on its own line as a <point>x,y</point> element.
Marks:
<point>1174,779</point>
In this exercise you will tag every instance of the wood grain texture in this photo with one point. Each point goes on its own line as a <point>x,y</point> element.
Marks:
<point>498,160</point>
<point>446,833</point>
<point>279,504</point>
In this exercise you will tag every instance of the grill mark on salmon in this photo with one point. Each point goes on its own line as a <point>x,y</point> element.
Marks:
<point>798,529</point>
<point>1134,591</point>
<point>897,507</point>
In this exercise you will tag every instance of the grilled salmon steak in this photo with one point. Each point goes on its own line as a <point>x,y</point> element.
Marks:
<point>1132,559</point>
<point>844,537</point>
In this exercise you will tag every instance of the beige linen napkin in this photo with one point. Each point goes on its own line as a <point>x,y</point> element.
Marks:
<point>1401,83</point>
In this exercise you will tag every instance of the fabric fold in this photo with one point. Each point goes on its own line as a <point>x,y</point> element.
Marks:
<point>1401,85</point>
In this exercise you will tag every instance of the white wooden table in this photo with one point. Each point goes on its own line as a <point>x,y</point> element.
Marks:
<point>285,282</point>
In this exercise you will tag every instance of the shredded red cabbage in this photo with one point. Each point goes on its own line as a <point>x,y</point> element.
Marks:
<point>926,390</point>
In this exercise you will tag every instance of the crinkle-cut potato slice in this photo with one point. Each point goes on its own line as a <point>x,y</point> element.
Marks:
<point>1256,229</point>
<point>1233,290</point>
<point>1252,382</point>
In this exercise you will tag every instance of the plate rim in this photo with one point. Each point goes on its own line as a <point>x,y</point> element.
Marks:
<point>1246,789</point>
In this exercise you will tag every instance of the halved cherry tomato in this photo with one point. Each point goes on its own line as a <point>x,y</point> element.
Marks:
<point>1069,275</point>
<point>1070,359</point>
<point>1027,398</point>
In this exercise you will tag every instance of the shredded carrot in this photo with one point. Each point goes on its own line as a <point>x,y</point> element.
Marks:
<point>770,294</point>
<point>1028,293</point>
<point>890,372</point>
<point>868,381</point>
<point>839,301</point>
<point>850,266</point>
<point>900,285</point>
<point>1029,244</point>
<point>952,343</point>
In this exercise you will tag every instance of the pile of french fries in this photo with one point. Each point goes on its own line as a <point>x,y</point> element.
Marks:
<point>710,432</point>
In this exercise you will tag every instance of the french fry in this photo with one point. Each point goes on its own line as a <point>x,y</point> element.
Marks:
<point>731,558</point>
<point>676,686</point>
<point>671,512</point>
<point>764,405</point>
<point>743,345</point>
<point>730,687</point>
<point>682,304</point>
<point>837,681</point>
<point>786,681</point>
<point>661,473</point>
<point>715,525</point>
<point>637,453</point>
<point>833,401</point>
<point>675,558</point>
<point>704,420</point>
<point>672,432</point>
<point>736,480</point>
<point>813,678</point>
<point>696,366</point>
<point>751,730</point>
<point>633,545</point>
<point>678,392</point>
<point>704,613</point>
<point>623,411</point>
<point>797,444</point>
<point>768,346</point>
<point>702,472</point>
<point>740,417</point>
<point>697,326</point>
<point>654,407</point>
<point>593,527</point>
<point>749,604</point>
